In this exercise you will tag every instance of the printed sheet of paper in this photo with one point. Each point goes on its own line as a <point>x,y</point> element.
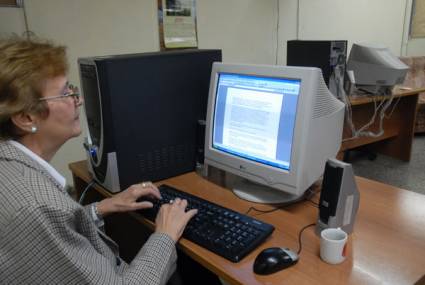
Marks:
<point>179,23</point>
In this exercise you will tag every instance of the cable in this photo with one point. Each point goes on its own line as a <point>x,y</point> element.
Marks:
<point>277,31</point>
<point>314,203</point>
<point>299,237</point>
<point>337,77</point>
<point>301,231</point>
<point>392,111</point>
<point>314,193</point>
<point>383,106</point>
<point>379,110</point>
<point>262,211</point>
<point>27,29</point>
<point>85,190</point>
<point>309,193</point>
<point>298,20</point>
<point>372,119</point>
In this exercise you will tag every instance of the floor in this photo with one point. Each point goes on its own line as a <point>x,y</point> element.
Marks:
<point>407,175</point>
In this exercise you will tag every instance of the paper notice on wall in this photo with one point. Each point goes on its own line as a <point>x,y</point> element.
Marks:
<point>179,23</point>
<point>417,29</point>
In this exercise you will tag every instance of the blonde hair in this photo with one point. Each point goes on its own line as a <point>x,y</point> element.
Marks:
<point>25,65</point>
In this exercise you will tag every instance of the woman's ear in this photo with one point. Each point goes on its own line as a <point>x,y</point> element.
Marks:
<point>25,122</point>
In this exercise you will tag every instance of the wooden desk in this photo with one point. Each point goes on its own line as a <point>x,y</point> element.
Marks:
<point>387,246</point>
<point>398,128</point>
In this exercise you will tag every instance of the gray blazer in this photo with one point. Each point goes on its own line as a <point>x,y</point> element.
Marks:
<point>48,238</point>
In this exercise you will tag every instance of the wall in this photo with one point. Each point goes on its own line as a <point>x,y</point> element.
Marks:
<point>252,31</point>
<point>378,21</point>
<point>415,47</point>
<point>11,21</point>
<point>244,29</point>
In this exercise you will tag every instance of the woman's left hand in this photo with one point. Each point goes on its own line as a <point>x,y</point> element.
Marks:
<point>126,200</point>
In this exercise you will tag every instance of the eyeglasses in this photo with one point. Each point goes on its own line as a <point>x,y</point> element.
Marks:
<point>70,91</point>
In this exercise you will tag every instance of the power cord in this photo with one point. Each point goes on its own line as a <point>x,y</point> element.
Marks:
<point>393,108</point>
<point>264,211</point>
<point>314,203</point>
<point>307,197</point>
<point>85,190</point>
<point>379,110</point>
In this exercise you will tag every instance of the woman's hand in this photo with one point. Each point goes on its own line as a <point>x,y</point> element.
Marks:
<point>172,218</point>
<point>127,200</point>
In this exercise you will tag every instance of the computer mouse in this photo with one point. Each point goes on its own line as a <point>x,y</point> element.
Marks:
<point>273,259</point>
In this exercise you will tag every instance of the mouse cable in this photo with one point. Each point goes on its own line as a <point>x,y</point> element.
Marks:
<point>299,237</point>
<point>83,195</point>
<point>312,202</point>
<point>312,193</point>
<point>261,211</point>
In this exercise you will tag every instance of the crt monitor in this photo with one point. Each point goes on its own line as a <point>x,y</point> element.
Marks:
<point>376,70</point>
<point>273,126</point>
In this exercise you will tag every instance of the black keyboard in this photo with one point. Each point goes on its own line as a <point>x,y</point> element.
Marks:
<point>227,233</point>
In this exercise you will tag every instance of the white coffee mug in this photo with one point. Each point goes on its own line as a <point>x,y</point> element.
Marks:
<point>333,245</point>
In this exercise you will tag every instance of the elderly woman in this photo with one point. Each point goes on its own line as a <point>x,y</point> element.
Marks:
<point>45,236</point>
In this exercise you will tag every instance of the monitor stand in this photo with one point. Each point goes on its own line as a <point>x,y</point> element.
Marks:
<point>257,193</point>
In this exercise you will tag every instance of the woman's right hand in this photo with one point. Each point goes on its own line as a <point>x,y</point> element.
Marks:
<point>172,218</point>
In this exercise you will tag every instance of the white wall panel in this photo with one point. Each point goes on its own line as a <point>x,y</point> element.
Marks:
<point>11,21</point>
<point>244,29</point>
<point>377,21</point>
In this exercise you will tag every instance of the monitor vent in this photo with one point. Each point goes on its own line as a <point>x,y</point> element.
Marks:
<point>326,103</point>
<point>166,157</point>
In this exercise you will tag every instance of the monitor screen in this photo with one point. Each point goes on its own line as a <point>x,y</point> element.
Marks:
<point>254,117</point>
<point>273,127</point>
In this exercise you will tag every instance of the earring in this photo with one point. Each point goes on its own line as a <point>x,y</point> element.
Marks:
<point>33,129</point>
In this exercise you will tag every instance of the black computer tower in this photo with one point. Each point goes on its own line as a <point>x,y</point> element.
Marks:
<point>322,54</point>
<point>142,113</point>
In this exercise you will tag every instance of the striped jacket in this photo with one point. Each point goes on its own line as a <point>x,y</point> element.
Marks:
<point>48,238</point>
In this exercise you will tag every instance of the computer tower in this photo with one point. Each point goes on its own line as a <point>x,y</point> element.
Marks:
<point>322,54</point>
<point>142,113</point>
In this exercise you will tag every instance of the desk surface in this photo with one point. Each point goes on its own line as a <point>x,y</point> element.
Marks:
<point>398,91</point>
<point>386,247</point>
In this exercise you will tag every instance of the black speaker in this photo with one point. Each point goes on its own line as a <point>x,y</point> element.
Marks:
<point>339,197</point>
